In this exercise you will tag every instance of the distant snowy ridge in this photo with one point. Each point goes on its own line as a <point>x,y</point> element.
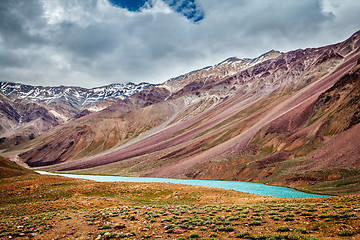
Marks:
<point>82,97</point>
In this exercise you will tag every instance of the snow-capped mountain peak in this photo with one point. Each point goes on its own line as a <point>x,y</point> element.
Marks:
<point>78,96</point>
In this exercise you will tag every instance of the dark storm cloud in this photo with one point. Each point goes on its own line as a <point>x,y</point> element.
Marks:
<point>19,21</point>
<point>292,17</point>
<point>88,41</point>
<point>92,42</point>
<point>13,60</point>
<point>21,24</point>
<point>264,25</point>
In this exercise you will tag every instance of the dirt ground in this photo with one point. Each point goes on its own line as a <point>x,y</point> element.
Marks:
<point>54,207</point>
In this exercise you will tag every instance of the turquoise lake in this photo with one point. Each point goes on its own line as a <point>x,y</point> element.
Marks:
<point>255,188</point>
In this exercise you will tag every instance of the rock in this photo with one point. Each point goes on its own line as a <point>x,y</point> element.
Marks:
<point>107,235</point>
<point>119,226</point>
<point>179,230</point>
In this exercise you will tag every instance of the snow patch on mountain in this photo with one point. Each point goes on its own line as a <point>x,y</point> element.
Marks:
<point>58,115</point>
<point>81,97</point>
<point>95,108</point>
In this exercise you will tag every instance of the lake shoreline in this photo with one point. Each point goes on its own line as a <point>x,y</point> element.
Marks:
<point>247,187</point>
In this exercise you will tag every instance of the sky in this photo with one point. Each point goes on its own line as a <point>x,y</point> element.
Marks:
<point>92,43</point>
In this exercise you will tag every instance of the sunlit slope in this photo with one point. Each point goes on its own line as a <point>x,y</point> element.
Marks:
<point>11,169</point>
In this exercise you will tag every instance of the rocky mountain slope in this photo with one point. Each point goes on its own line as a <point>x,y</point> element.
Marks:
<point>211,74</point>
<point>277,120</point>
<point>28,111</point>
<point>125,120</point>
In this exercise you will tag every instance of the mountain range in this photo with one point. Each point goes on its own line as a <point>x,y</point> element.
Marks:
<point>28,111</point>
<point>288,119</point>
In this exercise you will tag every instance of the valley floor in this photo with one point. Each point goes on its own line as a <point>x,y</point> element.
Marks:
<point>52,207</point>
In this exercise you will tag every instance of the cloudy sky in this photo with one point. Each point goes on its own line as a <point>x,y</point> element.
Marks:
<point>97,42</point>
